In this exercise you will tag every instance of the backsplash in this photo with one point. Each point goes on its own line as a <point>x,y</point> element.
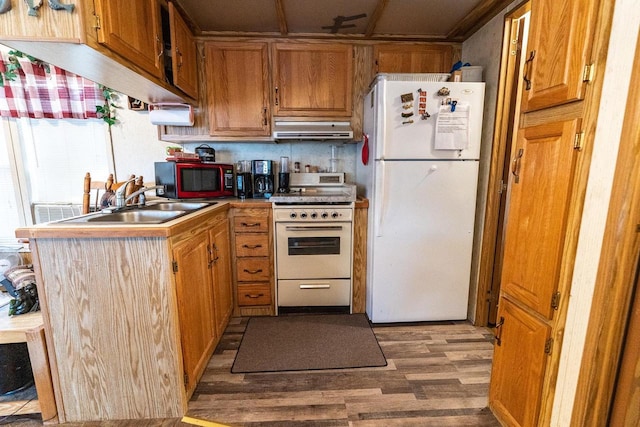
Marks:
<point>136,147</point>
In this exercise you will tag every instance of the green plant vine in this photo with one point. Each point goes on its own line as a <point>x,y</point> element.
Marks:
<point>107,112</point>
<point>11,69</point>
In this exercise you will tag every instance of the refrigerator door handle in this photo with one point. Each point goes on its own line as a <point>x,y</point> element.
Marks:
<point>381,189</point>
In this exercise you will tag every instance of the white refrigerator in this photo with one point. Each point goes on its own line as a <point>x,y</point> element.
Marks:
<point>419,169</point>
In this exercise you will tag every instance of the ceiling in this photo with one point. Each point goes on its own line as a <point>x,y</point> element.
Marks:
<point>420,20</point>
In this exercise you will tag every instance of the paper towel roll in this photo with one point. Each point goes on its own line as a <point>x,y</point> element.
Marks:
<point>171,114</point>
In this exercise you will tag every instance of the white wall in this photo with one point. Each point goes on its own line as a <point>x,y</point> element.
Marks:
<point>484,49</point>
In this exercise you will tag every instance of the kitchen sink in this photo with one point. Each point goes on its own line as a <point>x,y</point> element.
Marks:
<point>157,213</point>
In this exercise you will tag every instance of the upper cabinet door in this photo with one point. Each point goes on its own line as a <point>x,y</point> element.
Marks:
<point>132,29</point>
<point>185,71</point>
<point>238,89</point>
<point>559,50</point>
<point>312,79</point>
<point>392,58</point>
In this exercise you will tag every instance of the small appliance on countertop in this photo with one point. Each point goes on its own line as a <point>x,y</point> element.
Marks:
<point>193,180</point>
<point>244,184</point>
<point>263,178</point>
<point>206,153</point>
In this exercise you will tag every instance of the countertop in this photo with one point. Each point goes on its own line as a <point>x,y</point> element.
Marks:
<point>167,229</point>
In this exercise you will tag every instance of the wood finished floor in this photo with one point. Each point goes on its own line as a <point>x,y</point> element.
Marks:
<point>437,375</point>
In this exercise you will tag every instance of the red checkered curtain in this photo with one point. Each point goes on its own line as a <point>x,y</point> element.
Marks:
<point>42,94</point>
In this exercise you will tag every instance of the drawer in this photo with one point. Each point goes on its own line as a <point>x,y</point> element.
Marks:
<point>253,269</point>
<point>305,293</point>
<point>248,224</point>
<point>254,294</point>
<point>252,244</point>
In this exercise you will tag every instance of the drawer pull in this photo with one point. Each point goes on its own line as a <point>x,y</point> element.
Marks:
<point>315,286</point>
<point>253,224</point>
<point>253,271</point>
<point>254,295</point>
<point>252,246</point>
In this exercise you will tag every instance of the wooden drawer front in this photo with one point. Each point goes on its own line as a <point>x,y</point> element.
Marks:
<point>254,294</point>
<point>248,224</point>
<point>253,269</point>
<point>252,244</point>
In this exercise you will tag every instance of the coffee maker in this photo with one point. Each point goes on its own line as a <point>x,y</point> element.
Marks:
<point>263,178</point>
<point>244,182</point>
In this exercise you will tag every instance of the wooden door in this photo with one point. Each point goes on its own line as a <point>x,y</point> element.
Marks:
<point>238,89</point>
<point>132,29</point>
<point>559,47</point>
<point>539,200</point>
<point>184,59</point>
<point>392,58</point>
<point>223,291</point>
<point>519,363</point>
<point>312,79</point>
<point>195,306</point>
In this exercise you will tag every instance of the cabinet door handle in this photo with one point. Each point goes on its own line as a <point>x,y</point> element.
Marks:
<point>252,246</point>
<point>515,166</point>
<point>264,116</point>
<point>253,295</point>
<point>498,335</point>
<point>159,43</point>
<point>179,58</point>
<point>276,100</point>
<point>253,271</point>
<point>210,256</point>
<point>527,69</point>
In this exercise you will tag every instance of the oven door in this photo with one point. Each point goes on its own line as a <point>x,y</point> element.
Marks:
<point>313,251</point>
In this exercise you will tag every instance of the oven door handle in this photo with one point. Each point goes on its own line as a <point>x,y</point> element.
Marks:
<point>312,228</point>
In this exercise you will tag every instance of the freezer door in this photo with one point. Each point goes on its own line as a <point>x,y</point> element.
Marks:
<point>405,134</point>
<point>421,237</point>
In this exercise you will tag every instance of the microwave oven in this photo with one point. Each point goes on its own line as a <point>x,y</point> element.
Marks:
<point>189,180</point>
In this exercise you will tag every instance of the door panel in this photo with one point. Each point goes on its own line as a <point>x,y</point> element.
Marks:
<point>538,209</point>
<point>559,47</point>
<point>519,362</point>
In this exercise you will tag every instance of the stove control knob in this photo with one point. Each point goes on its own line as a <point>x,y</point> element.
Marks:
<point>314,215</point>
<point>293,215</point>
<point>325,215</point>
<point>334,215</point>
<point>303,215</point>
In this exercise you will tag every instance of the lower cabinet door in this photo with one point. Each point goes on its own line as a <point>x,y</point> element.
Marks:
<point>519,363</point>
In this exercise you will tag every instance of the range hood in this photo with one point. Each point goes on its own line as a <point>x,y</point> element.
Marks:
<point>312,130</point>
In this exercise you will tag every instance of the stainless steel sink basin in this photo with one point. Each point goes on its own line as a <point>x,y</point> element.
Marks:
<point>136,216</point>
<point>157,213</point>
<point>179,206</point>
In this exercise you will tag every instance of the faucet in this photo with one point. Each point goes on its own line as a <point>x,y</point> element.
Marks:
<point>142,198</point>
<point>120,201</point>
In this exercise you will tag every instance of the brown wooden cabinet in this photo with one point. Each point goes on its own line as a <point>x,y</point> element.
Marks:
<point>413,58</point>
<point>238,89</point>
<point>559,46</point>
<point>312,80</point>
<point>194,288</point>
<point>253,259</point>
<point>133,30</point>
<point>519,363</point>
<point>184,55</point>
<point>549,164</point>
<point>201,265</point>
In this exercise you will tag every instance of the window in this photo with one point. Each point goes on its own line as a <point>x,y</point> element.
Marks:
<point>50,160</point>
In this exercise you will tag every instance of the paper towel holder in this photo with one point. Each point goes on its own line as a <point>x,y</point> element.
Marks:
<point>171,114</point>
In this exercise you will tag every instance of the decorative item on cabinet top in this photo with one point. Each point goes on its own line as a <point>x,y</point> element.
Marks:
<point>171,114</point>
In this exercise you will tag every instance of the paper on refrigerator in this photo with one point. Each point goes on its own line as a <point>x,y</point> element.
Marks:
<point>452,127</point>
